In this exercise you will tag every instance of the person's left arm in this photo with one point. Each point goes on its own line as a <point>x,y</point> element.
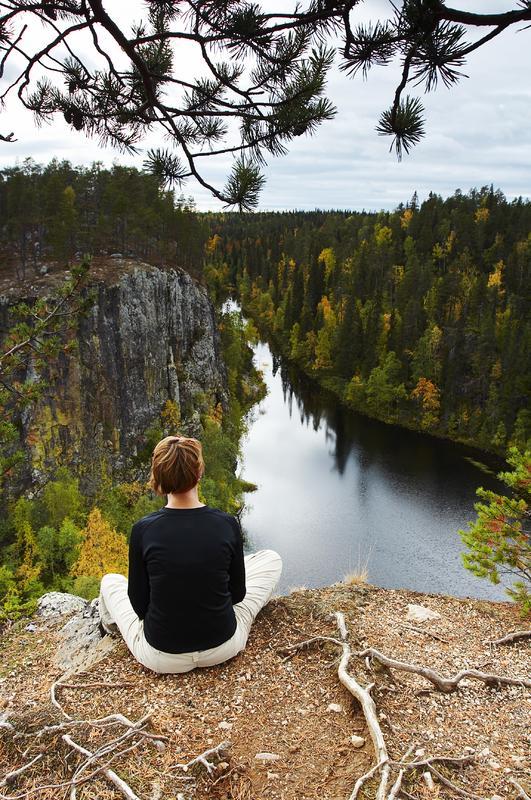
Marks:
<point>237,586</point>
<point>138,582</point>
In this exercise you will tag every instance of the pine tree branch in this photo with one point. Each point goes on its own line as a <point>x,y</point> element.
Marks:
<point>103,18</point>
<point>471,18</point>
<point>278,98</point>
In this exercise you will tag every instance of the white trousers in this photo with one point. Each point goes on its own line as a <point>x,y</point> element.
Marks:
<point>262,573</point>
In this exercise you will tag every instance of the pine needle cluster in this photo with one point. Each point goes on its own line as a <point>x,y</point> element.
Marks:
<point>264,82</point>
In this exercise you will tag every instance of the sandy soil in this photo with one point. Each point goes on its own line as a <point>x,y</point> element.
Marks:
<point>293,708</point>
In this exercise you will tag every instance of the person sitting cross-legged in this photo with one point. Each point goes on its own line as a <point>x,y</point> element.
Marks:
<point>192,595</point>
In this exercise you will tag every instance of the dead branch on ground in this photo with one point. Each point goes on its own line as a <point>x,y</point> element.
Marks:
<point>424,631</point>
<point>120,784</point>
<point>96,685</point>
<point>12,776</point>
<point>220,752</point>
<point>453,786</point>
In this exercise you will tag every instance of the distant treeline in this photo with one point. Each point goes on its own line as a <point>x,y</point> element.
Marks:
<point>418,317</point>
<point>50,213</point>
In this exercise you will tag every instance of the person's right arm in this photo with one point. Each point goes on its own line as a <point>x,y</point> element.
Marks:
<point>138,581</point>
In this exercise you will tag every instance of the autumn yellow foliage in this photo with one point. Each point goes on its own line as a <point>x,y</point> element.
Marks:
<point>29,568</point>
<point>427,392</point>
<point>103,549</point>
<point>171,415</point>
<point>406,218</point>
<point>482,215</point>
<point>495,277</point>
<point>383,235</point>
<point>213,244</point>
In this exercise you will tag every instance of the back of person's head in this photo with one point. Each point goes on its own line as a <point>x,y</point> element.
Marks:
<point>176,465</point>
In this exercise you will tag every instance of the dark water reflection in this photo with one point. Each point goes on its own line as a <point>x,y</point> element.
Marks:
<point>338,491</point>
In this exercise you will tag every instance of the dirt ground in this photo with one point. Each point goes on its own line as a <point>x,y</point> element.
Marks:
<point>290,711</point>
<point>102,268</point>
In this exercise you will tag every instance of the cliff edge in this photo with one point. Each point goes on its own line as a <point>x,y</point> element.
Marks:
<point>274,723</point>
<point>150,337</point>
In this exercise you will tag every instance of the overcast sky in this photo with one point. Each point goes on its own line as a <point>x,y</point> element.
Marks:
<point>478,133</point>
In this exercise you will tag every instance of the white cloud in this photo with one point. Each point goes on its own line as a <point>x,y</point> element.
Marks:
<point>477,133</point>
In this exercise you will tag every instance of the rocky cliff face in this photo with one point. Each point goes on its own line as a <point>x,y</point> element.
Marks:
<point>150,337</point>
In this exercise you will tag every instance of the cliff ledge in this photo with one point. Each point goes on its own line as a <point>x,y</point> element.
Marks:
<point>295,732</point>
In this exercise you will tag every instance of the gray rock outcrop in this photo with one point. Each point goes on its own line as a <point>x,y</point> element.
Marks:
<point>150,337</point>
<point>58,604</point>
<point>81,643</point>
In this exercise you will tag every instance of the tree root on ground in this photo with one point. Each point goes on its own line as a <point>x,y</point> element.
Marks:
<point>522,794</point>
<point>120,784</point>
<point>134,736</point>
<point>446,685</point>
<point>384,764</point>
<point>97,762</point>
<point>509,638</point>
<point>12,776</point>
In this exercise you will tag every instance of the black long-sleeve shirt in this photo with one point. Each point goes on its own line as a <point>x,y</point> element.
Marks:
<point>186,571</point>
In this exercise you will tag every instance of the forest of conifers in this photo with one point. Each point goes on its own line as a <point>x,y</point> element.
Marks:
<point>418,317</point>
<point>53,212</point>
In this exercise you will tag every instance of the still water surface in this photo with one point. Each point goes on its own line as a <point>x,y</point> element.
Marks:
<point>337,491</point>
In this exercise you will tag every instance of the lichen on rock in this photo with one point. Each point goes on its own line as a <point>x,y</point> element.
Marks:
<point>150,337</point>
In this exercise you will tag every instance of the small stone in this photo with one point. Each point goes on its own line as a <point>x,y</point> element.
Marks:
<point>428,780</point>
<point>267,757</point>
<point>31,627</point>
<point>421,752</point>
<point>484,753</point>
<point>273,776</point>
<point>335,707</point>
<point>357,741</point>
<point>494,764</point>
<point>496,797</point>
<point>416,613</point>
<point>225,726</point>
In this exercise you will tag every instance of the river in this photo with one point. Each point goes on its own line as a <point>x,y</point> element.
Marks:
<point>338,492</point>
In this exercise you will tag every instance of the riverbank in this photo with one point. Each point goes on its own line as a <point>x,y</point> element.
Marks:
<point>338,492</point>
<point>295,731</point>
<point>338,387</point>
